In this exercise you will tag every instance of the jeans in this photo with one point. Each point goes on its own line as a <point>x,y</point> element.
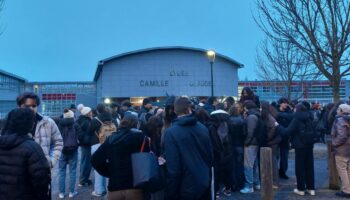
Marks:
<point>251,169</point>
<point>85,164</point>
<point>343,168</point>
<point>304,168</point>
<point>100,181</point>
<point>71,160</point>
<point>284,152</point>
<point>238,168</point>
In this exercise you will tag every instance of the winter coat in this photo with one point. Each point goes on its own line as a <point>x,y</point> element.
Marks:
<point>296,128</point>
<point>24,170</point>
<point>189,157</point>
<point>113,158</point>
<point>284,118</point>
<point>48,136</point>
<point>222,144</point>
<point>237,130</point>
<point>252,122</point>
<point>84,137</point>
<point>340,136</point>
<point>95,126</point>
<point>209,108</point>
<point>254,98</point>
<point>273,138</point>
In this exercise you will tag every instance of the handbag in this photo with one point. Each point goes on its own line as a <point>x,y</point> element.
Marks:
<point>146,170</point>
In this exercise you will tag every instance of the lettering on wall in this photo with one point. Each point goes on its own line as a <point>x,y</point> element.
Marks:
<point>154,83</point>
<point>200,84</point>
<point>179,73</point>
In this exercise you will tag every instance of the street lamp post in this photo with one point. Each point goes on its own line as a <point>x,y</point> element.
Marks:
<point>211,57</point>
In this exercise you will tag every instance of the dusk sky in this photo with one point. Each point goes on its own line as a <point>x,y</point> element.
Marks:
<point>63,40</point>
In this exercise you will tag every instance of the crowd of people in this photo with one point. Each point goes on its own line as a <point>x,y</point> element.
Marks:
<point>204,148</point>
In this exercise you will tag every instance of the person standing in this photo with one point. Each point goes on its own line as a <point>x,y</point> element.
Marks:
<point>301,131</point>
<point>189,155</point>
<point>25,172</point>
<point>85,146</point>
<point>251,147</point>
<point>341,147</point>
<point>70,134</point>
<point>100,126</point>
<point>45,130</point>
<point>284,117</point>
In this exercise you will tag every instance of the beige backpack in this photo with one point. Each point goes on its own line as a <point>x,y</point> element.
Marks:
<point>106,129</point>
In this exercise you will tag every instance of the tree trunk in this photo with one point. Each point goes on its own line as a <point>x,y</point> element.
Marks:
<point>335,84</point>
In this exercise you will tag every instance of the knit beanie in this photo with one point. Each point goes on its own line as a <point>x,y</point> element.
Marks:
<point>85,110</point>
<point>68,113</point>
<point>345,108</point>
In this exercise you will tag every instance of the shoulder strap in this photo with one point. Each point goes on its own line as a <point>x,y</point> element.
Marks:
<point>99,120</point>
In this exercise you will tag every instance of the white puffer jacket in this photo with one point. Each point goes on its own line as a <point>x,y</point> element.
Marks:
<point>48,136</point>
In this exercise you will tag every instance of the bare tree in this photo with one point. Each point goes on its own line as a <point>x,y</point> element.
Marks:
<point>284,62</point>
<point>319,28</point>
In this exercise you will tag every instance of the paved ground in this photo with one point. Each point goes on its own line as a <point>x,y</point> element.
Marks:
<point>283,193</point>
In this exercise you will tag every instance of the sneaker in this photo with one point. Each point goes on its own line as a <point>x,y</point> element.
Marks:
<point>227,192</point>
<point>246,190</point>
<point>284,176</point>
<point>93,193</point>
<point>275,187</point>
<point>342,194</point>
<point>61,195</point>
<point>298,192</point>
<point>86,184</point>
<point>311,192</point>
<point>73,194</point>
<point>257,187</point>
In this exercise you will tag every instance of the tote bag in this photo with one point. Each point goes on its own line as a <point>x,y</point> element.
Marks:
<point>146,170</point>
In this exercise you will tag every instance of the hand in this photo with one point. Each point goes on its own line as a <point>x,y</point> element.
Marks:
<point>161,160</point>
<point>276,124</point>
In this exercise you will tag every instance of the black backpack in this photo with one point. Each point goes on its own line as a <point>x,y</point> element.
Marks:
<point>309,135</point>
<point>70,140</point>
<point>224,142</point>
<point>260,132</point>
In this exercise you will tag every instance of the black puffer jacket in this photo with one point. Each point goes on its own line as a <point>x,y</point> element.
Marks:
<point>84,137</point>
<point>24,170</point>
<point>296,128</point>
<point>237,130</point>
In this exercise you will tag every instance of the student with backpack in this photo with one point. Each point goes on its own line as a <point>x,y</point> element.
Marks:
<point>70,132</point>
<point>223,153</point>
<point>303,135</point>
<point>100,128</point>
<point>341,147</point>
<point>251,146</point>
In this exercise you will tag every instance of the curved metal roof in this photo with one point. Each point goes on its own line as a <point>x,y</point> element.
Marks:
<point>12,75</point>
<point>102,62</point>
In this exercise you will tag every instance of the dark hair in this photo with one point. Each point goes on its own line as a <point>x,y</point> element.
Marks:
<point>234,110</point>
<point>126,103</point>
<point>146,101</point>
<point>169,114</point>
<point>181,105</point>
<point>248,90</point>
<point>129,121</point>
<point>101,108</point>
<point>115,105</point>
<point>20,121</point>
<point>283,100</point>
<point>249,104</point>
<point>65,110</point>
<point>306,104</point>
<point>154,125</point>
<point>21,99</point>
<point>300,107</point>
<point>211,100</point>
<point>265,110</point>
<point>202,115</point>
<point>220,106</point>
<point>230,100</point>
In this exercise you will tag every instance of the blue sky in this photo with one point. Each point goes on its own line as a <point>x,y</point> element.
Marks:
<point>63,40</point>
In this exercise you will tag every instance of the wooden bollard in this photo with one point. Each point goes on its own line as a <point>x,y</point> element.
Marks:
<point>332,169</point>
<point>266,173</point>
